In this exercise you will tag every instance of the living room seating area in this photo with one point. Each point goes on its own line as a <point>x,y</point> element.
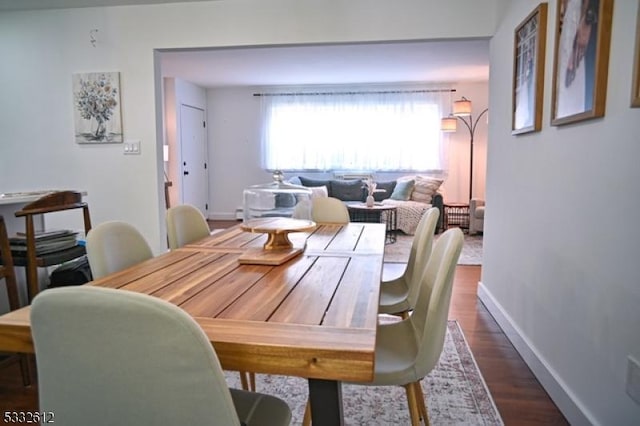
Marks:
<point>412,195</point>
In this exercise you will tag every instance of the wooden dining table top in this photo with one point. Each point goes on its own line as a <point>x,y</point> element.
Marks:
<point>314,316</point>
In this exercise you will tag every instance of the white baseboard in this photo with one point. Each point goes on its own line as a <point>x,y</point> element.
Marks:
<point>559,392</point>
<point>221,216</point>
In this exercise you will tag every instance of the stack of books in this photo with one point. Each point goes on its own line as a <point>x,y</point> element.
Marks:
<point>46,242</point>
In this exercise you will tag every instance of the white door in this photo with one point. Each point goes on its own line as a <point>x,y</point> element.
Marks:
<point>193,148</point>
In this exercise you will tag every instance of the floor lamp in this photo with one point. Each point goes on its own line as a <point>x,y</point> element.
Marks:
<point>462,109</point>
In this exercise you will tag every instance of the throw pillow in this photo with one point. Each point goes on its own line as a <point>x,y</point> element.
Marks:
<point>284,200</point>
<point>348,190</point>
<point>402,191</point>
<point>425,188</point>
<point>314,182</point>
<point>388,190</point>
<point>318,191</point>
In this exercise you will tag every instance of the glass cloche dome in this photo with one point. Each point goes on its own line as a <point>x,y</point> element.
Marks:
<point>277,199</point>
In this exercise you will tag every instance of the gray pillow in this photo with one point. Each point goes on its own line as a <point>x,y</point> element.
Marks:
<point>348,190</point>
<point>285,200</point>
<point>315,182</point>
<point>388,187</point>
<point>402,191</point>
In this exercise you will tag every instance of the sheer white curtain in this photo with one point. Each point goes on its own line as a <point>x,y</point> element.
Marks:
<point>375,130</point>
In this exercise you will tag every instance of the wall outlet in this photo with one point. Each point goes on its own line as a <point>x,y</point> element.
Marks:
<point>131,147</point>
<point>633,379</point>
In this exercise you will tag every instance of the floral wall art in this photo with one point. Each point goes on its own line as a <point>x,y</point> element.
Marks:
<point>96,106</point>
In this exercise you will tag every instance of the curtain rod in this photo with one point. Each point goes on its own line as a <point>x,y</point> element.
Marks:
<point>375,92</point>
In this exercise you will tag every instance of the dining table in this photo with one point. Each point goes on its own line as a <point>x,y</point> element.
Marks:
<point>312,316</point>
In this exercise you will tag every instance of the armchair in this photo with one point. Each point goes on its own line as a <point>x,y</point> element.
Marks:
<point>476,216</point>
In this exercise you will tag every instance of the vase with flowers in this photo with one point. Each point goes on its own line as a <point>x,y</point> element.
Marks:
<point>370,185</point>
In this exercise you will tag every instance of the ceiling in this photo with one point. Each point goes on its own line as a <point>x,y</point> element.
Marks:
<point>415,61</point>
<point>7,5</point>
<point>430,61</point>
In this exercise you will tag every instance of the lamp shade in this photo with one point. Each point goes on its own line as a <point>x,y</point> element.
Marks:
<point>449,124</point>
<point>462,108</point>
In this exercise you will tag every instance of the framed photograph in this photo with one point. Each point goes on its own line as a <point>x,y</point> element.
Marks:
<point>581,60</point>
<point>528,71</point>
<point>635,94</point>
<point>96,107</point>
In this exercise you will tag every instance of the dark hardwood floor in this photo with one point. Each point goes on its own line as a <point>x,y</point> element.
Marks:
<point>518,395</point>
<point>520,398</point>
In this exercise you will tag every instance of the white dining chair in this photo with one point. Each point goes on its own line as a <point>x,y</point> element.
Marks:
<point>408,349</point>
<point>398,296</point>
<point>185,224</point>
<point>329,210</point>
<point>133,359</point>
<point>113,246</point>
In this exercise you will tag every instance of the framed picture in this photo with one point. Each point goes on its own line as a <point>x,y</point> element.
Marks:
<point>528,71</point>
<point>635,94</point>
<point>581,60</point>
<point>96,107</point>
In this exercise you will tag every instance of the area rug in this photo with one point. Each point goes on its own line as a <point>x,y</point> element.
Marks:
<point>455,392</point>
<point>398,252</point>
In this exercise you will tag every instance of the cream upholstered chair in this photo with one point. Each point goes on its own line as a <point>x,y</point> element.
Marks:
<point>476,216</point>
<point>114,246</point>
<point>329,210</point>
<point>407,350</point>
<point>398,296</point>
<point>185,224</point>
<point>133,359</point>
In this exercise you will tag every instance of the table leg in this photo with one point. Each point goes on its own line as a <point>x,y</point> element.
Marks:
<point>326,402</point>
<point>392,226</point>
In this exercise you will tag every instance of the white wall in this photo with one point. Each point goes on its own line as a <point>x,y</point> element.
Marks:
<point>560,267</point>
<point>40,50</point>
<point>234,148</point>
<point>234,145</point>
<point>178,92</point>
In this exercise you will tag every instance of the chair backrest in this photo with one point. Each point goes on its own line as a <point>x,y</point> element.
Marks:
<point>329,210</point>
<point>421,247</point>
<point>6,268</point>
<point>55,202</point>
<point>430,314</point>
<point>50,203</point>
<point>185,224</point>
<point>114,246</point>
<point>127,359</point>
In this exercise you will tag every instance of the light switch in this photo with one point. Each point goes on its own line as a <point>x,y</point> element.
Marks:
<point>131,147</point>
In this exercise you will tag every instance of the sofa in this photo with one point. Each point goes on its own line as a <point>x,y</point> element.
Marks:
<point>411,195</point>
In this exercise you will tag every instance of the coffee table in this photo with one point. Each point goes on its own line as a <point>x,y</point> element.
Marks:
<point>360,212</point>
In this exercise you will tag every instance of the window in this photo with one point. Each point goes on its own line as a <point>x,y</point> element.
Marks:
<point>376,131</point>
